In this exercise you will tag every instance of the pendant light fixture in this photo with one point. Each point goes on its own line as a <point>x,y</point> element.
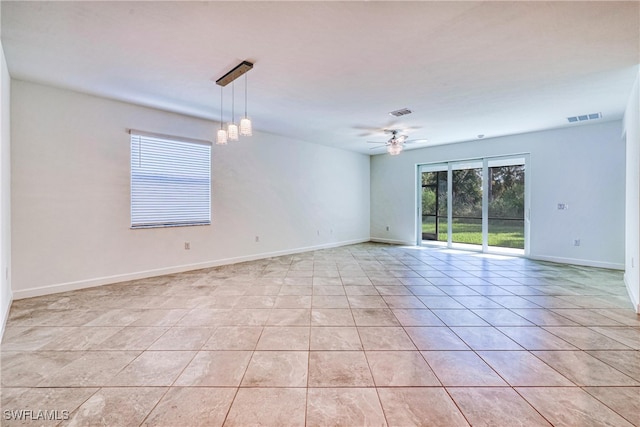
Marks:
<point>232,132</point>
<point>245,123</point>
<point>232,128</point>
<point>221,137</point>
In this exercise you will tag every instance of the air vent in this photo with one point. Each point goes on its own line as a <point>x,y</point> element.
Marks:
<point>584,117</point>
<point>400,112</point>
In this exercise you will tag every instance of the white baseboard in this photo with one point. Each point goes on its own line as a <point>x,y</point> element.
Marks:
<point>5,314</point>
<point>577,261</point>
<point>392,241</point>
<point>633,295</point>
<point>99,281</point>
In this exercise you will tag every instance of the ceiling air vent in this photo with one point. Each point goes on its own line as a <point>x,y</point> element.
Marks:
<point>400,112</point>
<point>584,117</point>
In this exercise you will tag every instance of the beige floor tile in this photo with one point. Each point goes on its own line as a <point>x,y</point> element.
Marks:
<point>536,338</point>
<point>329,301</point>
<point>420,406</point>
<point>344,407</point>
<point>521,368</point>
<point>331,317</point>
<point>624,400</point>
<point>485,338</point>
<point>339,369</point>
<point>292,301</point>
<point>461,368</point>
<point>58,402</point>
<point>385,338</point>
<point>192,406</point>
<point>319,290</point>
<point>167,317</point>
<point>625,335</point>
<point>284,338</point>
<point>91,369</point>
<point>234,338</point>
<point>28,369</point>
<point>495,406</point>
<point>400,369</point>
<point>268,407</point>
<point>205,317</point>
<point>335,338</point>
<point>31,338</point>
<point>459,318</point>
<point>131,338</point>
<point>374,317</point>
<point>586,338</point>
<point>435,338</point>
<point>570,407</point>
<point>153,368</point>
<point>215,369</point>
<point>360,290</point>
<point>584,369</point>
<point>501,317</point>
<point>116,406</point>
<point>181,338</point>
<point>543,317</point>
<point>627,362</point>
<point>416,317</point>
<point>277,369</point>
<point>586,317</point>
<point>366,301</point>
<point>289,317</point>
<point>440,302</point>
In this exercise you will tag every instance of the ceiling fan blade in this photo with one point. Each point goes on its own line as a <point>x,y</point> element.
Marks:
<point>415,141</point>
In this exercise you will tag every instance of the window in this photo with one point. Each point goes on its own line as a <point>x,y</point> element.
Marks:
<point>170,181</point>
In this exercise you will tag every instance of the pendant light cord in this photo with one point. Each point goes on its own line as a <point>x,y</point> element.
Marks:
<point>245,96</point>
<point>220,107</point>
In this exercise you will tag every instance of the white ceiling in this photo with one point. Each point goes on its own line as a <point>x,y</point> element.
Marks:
<point>329,72</point>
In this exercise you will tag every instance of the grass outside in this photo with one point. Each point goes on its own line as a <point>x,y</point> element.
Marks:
<point>504,234</point>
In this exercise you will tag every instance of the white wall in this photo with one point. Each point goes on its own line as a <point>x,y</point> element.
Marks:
<point>582,166</point>
<point>632,196</point>
<point>70,195</point>
<point>5,192</point>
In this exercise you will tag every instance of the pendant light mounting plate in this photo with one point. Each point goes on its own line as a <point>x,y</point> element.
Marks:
<point>236,72</point>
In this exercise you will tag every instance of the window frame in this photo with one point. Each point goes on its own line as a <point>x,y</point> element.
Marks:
<point>189,175</point>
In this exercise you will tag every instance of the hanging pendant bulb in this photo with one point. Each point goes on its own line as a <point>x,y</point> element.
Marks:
<point>232,128</point>
<point>221,136</point>
<point>245,123</point>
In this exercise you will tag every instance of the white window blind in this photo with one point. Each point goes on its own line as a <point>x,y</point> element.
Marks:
<point>170,182</point>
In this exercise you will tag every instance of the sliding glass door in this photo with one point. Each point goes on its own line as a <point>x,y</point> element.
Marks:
<point>466,203</point>
<point>434,205</point>
<point>506,203</point>
<point>477,204</point>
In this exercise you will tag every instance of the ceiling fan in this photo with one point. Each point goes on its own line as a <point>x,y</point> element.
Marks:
<point>396,143</point>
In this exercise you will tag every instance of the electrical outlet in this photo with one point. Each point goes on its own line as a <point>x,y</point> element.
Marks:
<point>187,245</point>
<point>257,239</point>
<point>387,228</point>
<point>563,206</point>
<point>576,242</point>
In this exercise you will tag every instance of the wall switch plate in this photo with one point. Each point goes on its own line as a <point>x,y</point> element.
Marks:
<point>387,228</point>
<point>576,242</point>
<point>257,239</point>
<point>187,245</point>
<point>563,206</point>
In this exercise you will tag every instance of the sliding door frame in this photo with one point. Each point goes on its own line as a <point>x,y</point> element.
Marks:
<point>519,158</point>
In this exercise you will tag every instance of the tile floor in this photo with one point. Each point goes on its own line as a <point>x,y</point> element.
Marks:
<point>367,334</point>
